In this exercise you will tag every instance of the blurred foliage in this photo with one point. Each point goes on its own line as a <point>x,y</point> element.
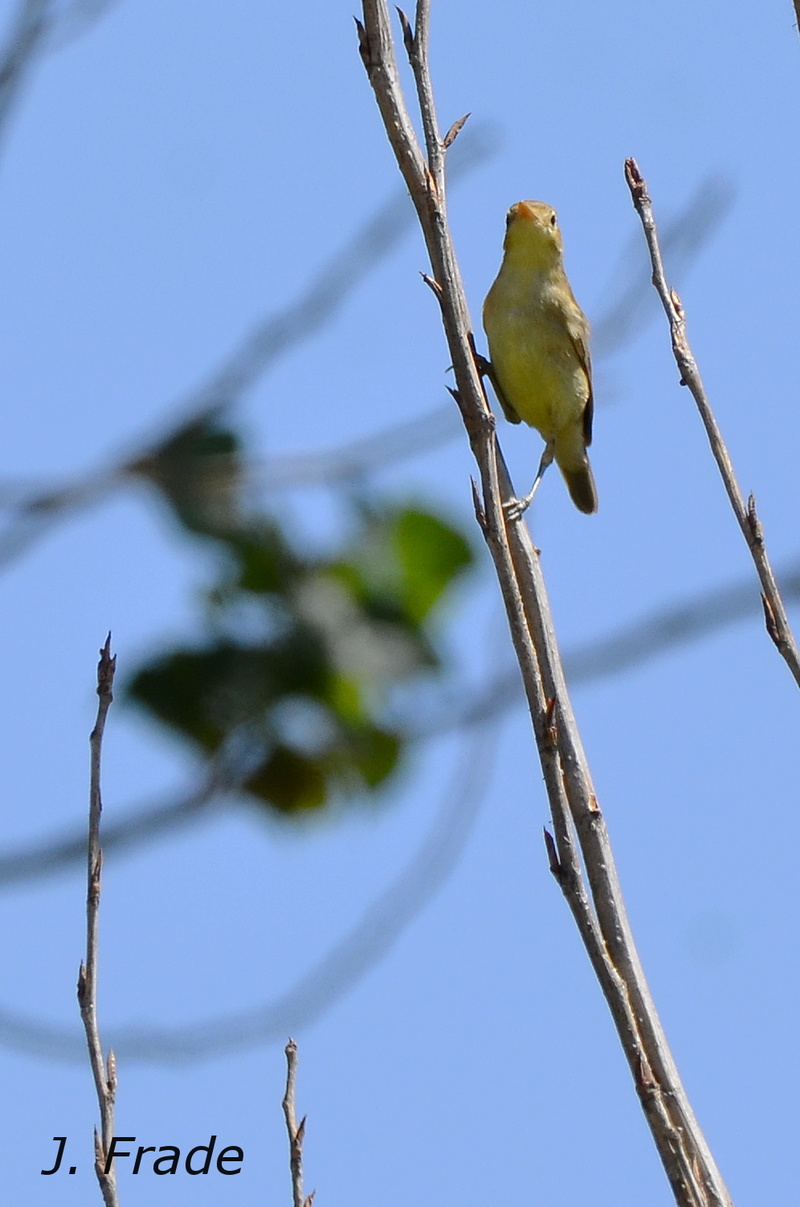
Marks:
<point>288,689</point>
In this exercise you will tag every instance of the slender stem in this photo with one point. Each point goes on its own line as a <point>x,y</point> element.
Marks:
<point>104,1072</point>
<point>296,1132</point>
<point>417,47</point>
<point>777,621</point>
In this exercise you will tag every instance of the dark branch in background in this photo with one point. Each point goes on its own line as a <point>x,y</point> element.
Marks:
<point>630,645</point>
<point>342,966</point>
<point>145,824</point>
<point>36,28</point>
<point>104,1072</point>
<point>777,621</point>
<point>33,514</point>
<point>26,39</point>
<point>361,457</point>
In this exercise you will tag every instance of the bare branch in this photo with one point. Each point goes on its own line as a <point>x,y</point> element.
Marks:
<point>604,926</point>
<point>296,1132</point>
<point>778,625</point>
<point>104,1072</point>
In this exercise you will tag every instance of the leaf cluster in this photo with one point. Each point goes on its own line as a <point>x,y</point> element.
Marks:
<point>289,685</point>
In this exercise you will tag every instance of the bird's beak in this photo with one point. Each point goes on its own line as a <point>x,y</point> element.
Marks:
<point>523,210</point>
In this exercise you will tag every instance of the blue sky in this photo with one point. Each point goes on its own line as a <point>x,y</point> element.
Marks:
<point>168,179</point>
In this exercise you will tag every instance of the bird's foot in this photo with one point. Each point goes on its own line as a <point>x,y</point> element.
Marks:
<point>514,509</point>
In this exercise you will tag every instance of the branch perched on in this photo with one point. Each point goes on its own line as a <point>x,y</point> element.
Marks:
<point>577,820</point>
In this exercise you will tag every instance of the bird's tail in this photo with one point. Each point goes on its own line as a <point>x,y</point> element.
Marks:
<point>581,487</point>
<point>573,462</point>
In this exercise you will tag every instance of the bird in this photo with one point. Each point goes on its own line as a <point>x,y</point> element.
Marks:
<point>540,365</point>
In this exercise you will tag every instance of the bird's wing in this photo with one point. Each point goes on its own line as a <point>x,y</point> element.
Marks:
<point>578,328</point>
<point>509,412</point>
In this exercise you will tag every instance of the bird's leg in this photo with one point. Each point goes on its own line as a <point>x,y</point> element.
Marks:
<point>516,508</point>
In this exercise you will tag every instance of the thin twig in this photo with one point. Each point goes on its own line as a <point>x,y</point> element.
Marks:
<point>777,622</point>
<point>603,923</point>
<point>104,1072</point>
<point>296,1132</point>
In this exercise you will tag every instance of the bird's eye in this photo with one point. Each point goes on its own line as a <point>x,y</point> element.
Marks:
<point>553,220</point>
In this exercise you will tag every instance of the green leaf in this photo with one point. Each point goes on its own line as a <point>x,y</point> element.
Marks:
<point>375,754</point>
<point>299,663</point>
<point>205,694</point>
<point>431,554</point>
<point>265,563</point>
<point>402,563</point>
<point>289,781</point>
<point>345,698</point>
<point>312,648</point>
<point>198,469</point>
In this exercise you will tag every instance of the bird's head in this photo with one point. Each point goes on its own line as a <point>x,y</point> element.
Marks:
<point>532,232</point>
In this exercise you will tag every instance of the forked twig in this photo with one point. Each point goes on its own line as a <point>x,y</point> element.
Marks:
<point>104,1072</point>
<point>578,823</point>
<point>296,1132</point>
<point>777,621</point>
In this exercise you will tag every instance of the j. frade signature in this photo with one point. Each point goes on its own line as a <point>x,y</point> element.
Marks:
<point>199,1160</point>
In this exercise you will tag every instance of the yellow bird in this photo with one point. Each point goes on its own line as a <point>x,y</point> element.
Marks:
<point>539,347</point>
